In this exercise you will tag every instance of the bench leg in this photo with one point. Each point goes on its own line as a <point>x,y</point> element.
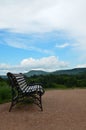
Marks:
<point>38,100</point>
<point>13,102</point>
<point>11,107</point>
<point>41,103</point>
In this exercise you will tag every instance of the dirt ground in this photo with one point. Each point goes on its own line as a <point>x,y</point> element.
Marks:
<point>63,110</point>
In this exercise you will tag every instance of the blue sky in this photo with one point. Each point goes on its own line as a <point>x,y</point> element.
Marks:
<point>47,35</point>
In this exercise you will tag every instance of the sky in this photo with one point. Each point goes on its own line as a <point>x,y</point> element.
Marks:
<point>44,35</point>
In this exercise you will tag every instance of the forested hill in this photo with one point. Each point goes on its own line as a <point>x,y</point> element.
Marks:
<point>58,72</point>
<point>71,71</point>
<point>74,71</point>
<point>36,72</point>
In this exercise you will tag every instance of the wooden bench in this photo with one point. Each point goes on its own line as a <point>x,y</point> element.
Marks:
<point>21,90</point>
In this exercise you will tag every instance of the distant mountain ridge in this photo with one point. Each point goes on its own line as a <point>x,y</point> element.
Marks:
<point>36,72</point>
<point>71,71</point>
<point>74,71</point>
<point>57,72</point>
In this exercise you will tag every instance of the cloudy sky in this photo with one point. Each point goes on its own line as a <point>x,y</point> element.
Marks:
<point>48,35</point>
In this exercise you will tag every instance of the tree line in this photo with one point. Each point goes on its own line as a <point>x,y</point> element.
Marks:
<point>58,81</point>
<point>54,81</point>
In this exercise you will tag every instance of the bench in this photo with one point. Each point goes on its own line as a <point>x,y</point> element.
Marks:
<point>21,90</point>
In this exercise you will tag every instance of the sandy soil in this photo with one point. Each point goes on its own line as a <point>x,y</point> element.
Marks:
<point>63,110</point>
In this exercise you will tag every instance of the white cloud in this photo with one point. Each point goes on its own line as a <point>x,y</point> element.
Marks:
<point>45,16</point>
<point>81,66</point>
<point>4,66</point>
<point>51,63</point>
<point>46,63</point>
<point>62,45</point>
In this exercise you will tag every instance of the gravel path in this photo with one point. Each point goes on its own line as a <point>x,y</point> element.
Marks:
<point>63,110</point>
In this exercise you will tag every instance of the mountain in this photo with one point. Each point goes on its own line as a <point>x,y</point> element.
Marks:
<point>57,72</point>
<point>35,72</point>
<point>71,71</point>
<point>74,71</point>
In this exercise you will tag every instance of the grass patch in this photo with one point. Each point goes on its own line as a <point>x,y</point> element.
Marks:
<point>5,94</point>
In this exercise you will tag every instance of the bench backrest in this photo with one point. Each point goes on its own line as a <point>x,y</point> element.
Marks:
<point>17,81</point>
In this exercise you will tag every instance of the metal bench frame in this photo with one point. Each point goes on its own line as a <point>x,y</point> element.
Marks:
<point>21,90</point>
